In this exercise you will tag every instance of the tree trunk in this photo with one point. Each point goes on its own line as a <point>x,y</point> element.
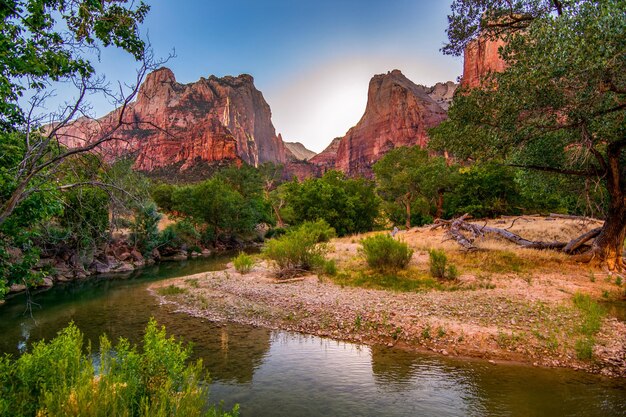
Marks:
<point>609,245</point>
<point>408,213</point>
<point>439,212</point>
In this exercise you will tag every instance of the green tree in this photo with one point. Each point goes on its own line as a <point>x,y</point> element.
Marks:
<point>348,205</point>
<point>53,40</point>
<point>407,175</point>
<point>559,106</point>
<point>217,205</point>
<point>485,190</point>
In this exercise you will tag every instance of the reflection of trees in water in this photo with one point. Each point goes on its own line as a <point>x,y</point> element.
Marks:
<point>230,353</point>
<point>478,388</point>
<point>393,365</point>
<point>233,353</point>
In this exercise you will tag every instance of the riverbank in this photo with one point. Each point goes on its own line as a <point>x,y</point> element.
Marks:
<point>509,304</point>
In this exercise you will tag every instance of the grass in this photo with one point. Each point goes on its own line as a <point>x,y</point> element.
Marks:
<point>243,263</point>
<point>171,290</point>
<point>591,314</point>
<point>192,282</point>
<point>404,281</point>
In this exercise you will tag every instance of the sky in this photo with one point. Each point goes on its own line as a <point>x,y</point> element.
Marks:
<point>312,60</point>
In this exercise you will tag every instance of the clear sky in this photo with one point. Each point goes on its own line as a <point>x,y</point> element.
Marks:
<point>312,60</point>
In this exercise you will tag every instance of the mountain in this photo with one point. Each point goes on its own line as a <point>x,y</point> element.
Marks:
<point>480,58</point>
<point>177,126</point>
<point>398,113</point>
<point>297,151</point>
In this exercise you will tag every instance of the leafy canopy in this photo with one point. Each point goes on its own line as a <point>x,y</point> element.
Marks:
<point>48,40</point>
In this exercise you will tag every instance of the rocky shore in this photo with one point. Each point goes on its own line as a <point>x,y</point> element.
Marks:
<point>526,317</point>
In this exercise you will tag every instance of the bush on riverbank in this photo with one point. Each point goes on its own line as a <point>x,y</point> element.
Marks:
<point>243,263</point>
<point>384,253</point>
<point>301,249</point>
<point>439,266</point>
<point>58,378</point>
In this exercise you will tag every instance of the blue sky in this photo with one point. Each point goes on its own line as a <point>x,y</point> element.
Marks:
<point>311,59</point>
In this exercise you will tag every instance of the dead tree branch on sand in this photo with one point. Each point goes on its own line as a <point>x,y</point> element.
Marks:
<point>456,227</point>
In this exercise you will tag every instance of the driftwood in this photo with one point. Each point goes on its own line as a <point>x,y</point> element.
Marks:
<point>456,234</point>
<point>574,244</point>
<point>457,226</point>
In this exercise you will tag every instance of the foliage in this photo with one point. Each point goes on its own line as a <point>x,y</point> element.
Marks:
<point>243,263</point>
<point>221,210</point>
<point>45,41</point>
<point>180,235</point>
<point>145,231</point>
<point>591,314</point>
<point>384,253</point>
<point>559,106</point>
<point>86,216</point>
<point>439,267</point>
<point>58,378</point>
<point>171,290</point>
<point>347,205</point>
<point>485,190</point>
<point>300,249</point>
<point>409,180</point>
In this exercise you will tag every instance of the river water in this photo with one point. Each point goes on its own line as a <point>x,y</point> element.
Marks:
<point>276,374</point>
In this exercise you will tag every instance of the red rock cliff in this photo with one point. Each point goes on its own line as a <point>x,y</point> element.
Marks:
<point>398,113</point>
<point>169,124</point>
<point>481,57</point>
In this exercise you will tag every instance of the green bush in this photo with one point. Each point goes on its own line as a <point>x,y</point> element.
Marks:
<point>382,252</point>
<point>275,232</point>
<point>300,249</point>
<point>319,230</point>
<point>330,268</point>
<point>58,378</point>
<point>439,267</point>
<point>243,263</point>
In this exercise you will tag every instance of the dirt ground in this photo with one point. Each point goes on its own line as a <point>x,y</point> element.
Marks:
<point>508,303</point>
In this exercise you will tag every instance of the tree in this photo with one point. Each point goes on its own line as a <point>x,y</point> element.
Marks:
<point>407,174</point>
<point>485,190</point>
<point>215,204</point>
<point>559,107</point>
<point>349,205</point>
<point>49,41</point>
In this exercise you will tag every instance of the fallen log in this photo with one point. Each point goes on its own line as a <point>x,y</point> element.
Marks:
<point>581,240</point>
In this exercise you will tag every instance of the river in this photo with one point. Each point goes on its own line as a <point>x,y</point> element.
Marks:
<point>276,374</point>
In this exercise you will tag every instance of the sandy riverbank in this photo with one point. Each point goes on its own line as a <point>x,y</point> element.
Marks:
<point>509,304</point>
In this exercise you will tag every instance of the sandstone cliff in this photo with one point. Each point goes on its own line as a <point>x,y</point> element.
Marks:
<point>398,113</point>
<point>481,57</point>
<point>173,124</point>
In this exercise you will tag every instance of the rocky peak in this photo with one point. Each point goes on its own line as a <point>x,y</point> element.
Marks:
<point>481,57</point>
<point>173,124</point>
<point>297,151</point>
<point>442,93</point>
<point>398,113</point>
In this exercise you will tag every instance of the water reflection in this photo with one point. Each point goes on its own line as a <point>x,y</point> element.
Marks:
<point>283,374</point>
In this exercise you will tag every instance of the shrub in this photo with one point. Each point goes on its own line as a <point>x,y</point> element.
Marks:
<point>330,268</point>
<point>275,232</point>
<point>382,252</point>
<point>300,249</point>
<point>171,290</point>
<point>58,378</point>
<point>243,263</point>
<point>439,267</point>
<point>319,230</point>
